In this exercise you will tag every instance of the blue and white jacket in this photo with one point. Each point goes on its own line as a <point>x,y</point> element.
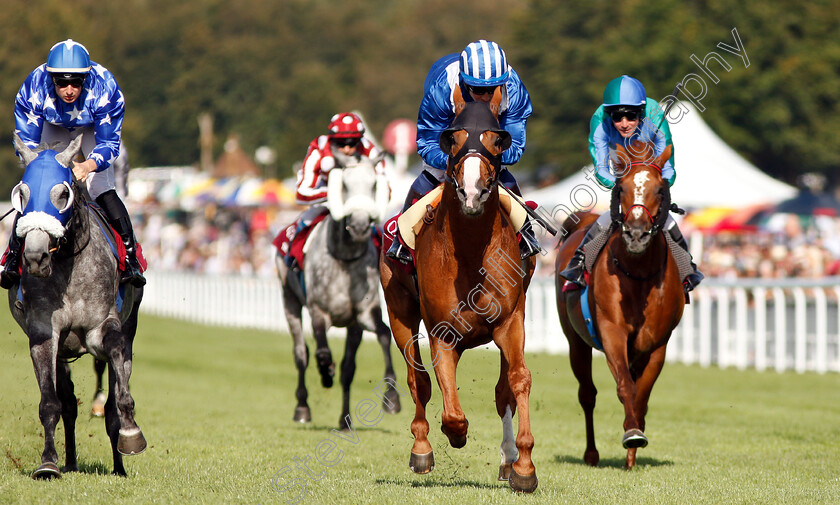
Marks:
<point>437,110</point>
<point>100,104</point>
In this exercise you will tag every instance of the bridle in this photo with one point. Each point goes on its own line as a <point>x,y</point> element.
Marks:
<point>457,166</point>
<point>657,221</point>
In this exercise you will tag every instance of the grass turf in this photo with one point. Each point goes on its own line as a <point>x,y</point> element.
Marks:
<point>216,405</point>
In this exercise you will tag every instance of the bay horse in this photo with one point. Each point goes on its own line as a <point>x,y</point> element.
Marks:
<point>470,290</point>
<point>634,292</point>
<point>340,283</point>
<point>69,302</point>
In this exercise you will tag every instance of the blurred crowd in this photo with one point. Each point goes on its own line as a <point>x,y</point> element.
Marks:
<point>237,241</point>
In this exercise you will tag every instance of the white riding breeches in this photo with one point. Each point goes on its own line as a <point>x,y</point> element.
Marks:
<point>97,182</point>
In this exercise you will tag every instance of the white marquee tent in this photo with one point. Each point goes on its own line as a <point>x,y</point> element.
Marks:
<point>709,174</point>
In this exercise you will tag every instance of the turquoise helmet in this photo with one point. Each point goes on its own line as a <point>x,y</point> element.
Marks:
<point>626,91</point>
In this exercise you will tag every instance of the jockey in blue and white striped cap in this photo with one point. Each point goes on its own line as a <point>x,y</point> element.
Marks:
<point>478,70</point>
<point>483,64</point>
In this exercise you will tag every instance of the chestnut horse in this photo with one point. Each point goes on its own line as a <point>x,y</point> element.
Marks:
<point>470,290</point>
<point>635,295</point>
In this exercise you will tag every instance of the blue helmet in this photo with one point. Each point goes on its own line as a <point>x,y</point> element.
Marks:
<point>68,57</point>
<point>625,90</point>
<point>483,63</point>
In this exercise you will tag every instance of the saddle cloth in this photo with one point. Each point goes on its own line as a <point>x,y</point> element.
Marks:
<point>289,242</point>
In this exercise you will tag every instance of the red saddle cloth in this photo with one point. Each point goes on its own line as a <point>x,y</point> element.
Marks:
<point>388,237</point>
<point>290,244</point>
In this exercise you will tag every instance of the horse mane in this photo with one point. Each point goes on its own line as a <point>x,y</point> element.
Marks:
<point>578,220</point>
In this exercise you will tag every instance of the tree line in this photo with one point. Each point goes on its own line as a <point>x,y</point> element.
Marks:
<point>274,72</point>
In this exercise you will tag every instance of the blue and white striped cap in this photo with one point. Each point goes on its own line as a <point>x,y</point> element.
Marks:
<point>483,63</point>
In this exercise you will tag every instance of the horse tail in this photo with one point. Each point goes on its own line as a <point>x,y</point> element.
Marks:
<point>579,220</point>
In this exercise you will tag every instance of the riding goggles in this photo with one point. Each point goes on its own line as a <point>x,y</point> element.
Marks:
<point>63,82</point>
<point>482,90</point>
<point>346,142</point>
<point>617,115</point>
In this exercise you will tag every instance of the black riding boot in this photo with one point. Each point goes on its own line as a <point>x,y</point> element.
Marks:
<point>118,217</point>
<point>11,270</point>
<point>694,278</point>
<point>528,243</point>
<point>575,269</point>
<point>398,250</point>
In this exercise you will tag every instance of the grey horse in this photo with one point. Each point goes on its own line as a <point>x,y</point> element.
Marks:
<point>340,283</point>
<point>67,304</point>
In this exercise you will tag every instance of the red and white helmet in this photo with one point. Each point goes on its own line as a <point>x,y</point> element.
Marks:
<point>346,125</point>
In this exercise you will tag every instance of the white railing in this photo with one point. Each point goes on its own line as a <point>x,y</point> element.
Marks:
<point>782,325</point>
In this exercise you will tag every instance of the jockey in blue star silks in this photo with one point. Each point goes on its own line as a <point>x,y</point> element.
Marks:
<point>478,71</point>
<point>627,114</point>
<point>66,97</point>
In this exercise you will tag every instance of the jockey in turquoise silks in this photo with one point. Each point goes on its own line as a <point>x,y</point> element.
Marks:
<point>626,115</point>
<point>64,98</point>
<point>478,70</point>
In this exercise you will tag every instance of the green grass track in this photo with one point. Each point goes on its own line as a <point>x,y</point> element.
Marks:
<point>216,405</point>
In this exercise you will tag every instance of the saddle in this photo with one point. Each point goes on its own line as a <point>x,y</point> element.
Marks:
<point>422,212</point>
<point>290,241</point>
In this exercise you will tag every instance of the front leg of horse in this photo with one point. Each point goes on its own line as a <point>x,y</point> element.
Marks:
<point>323,356</point>
<point>511,341</point>
<point>644,384</point>
<point>348,371</point>
<point>391,398</point>
<point>506,408</point>
<point>42,349</point>
<point>69,412</point>
<point>301,353</point>
<point>130,440</point>
<point>454,423</point>
<point>616,355</point>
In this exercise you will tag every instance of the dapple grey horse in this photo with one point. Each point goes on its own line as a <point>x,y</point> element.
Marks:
<point>341,283</point>
<point>67,304</point>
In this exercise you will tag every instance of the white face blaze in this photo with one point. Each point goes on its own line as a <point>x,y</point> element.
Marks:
<point>472,176</point>
<point>639,193</point>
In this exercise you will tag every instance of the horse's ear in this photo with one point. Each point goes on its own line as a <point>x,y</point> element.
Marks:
<point>621,160</point>
<point>67,155</point>
<point>25,152</point>
<point>458,100</point>
<point>665,156</point>
<point>446,141</point>
<point>504,140</point>
<point>496,102</point>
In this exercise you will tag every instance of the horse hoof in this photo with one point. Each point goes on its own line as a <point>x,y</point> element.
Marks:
<point>302,415</point>
<point>522,483</point>
<point>391,402</point>
<point>131,443</point>
<point>456,440</point>
<point>634,438</point>
<point>504,471</point>
<point>326,367</point>
<point>591,458</point>
<point>97,408</point>
<point>422,463</point>
<point>47,471</point>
